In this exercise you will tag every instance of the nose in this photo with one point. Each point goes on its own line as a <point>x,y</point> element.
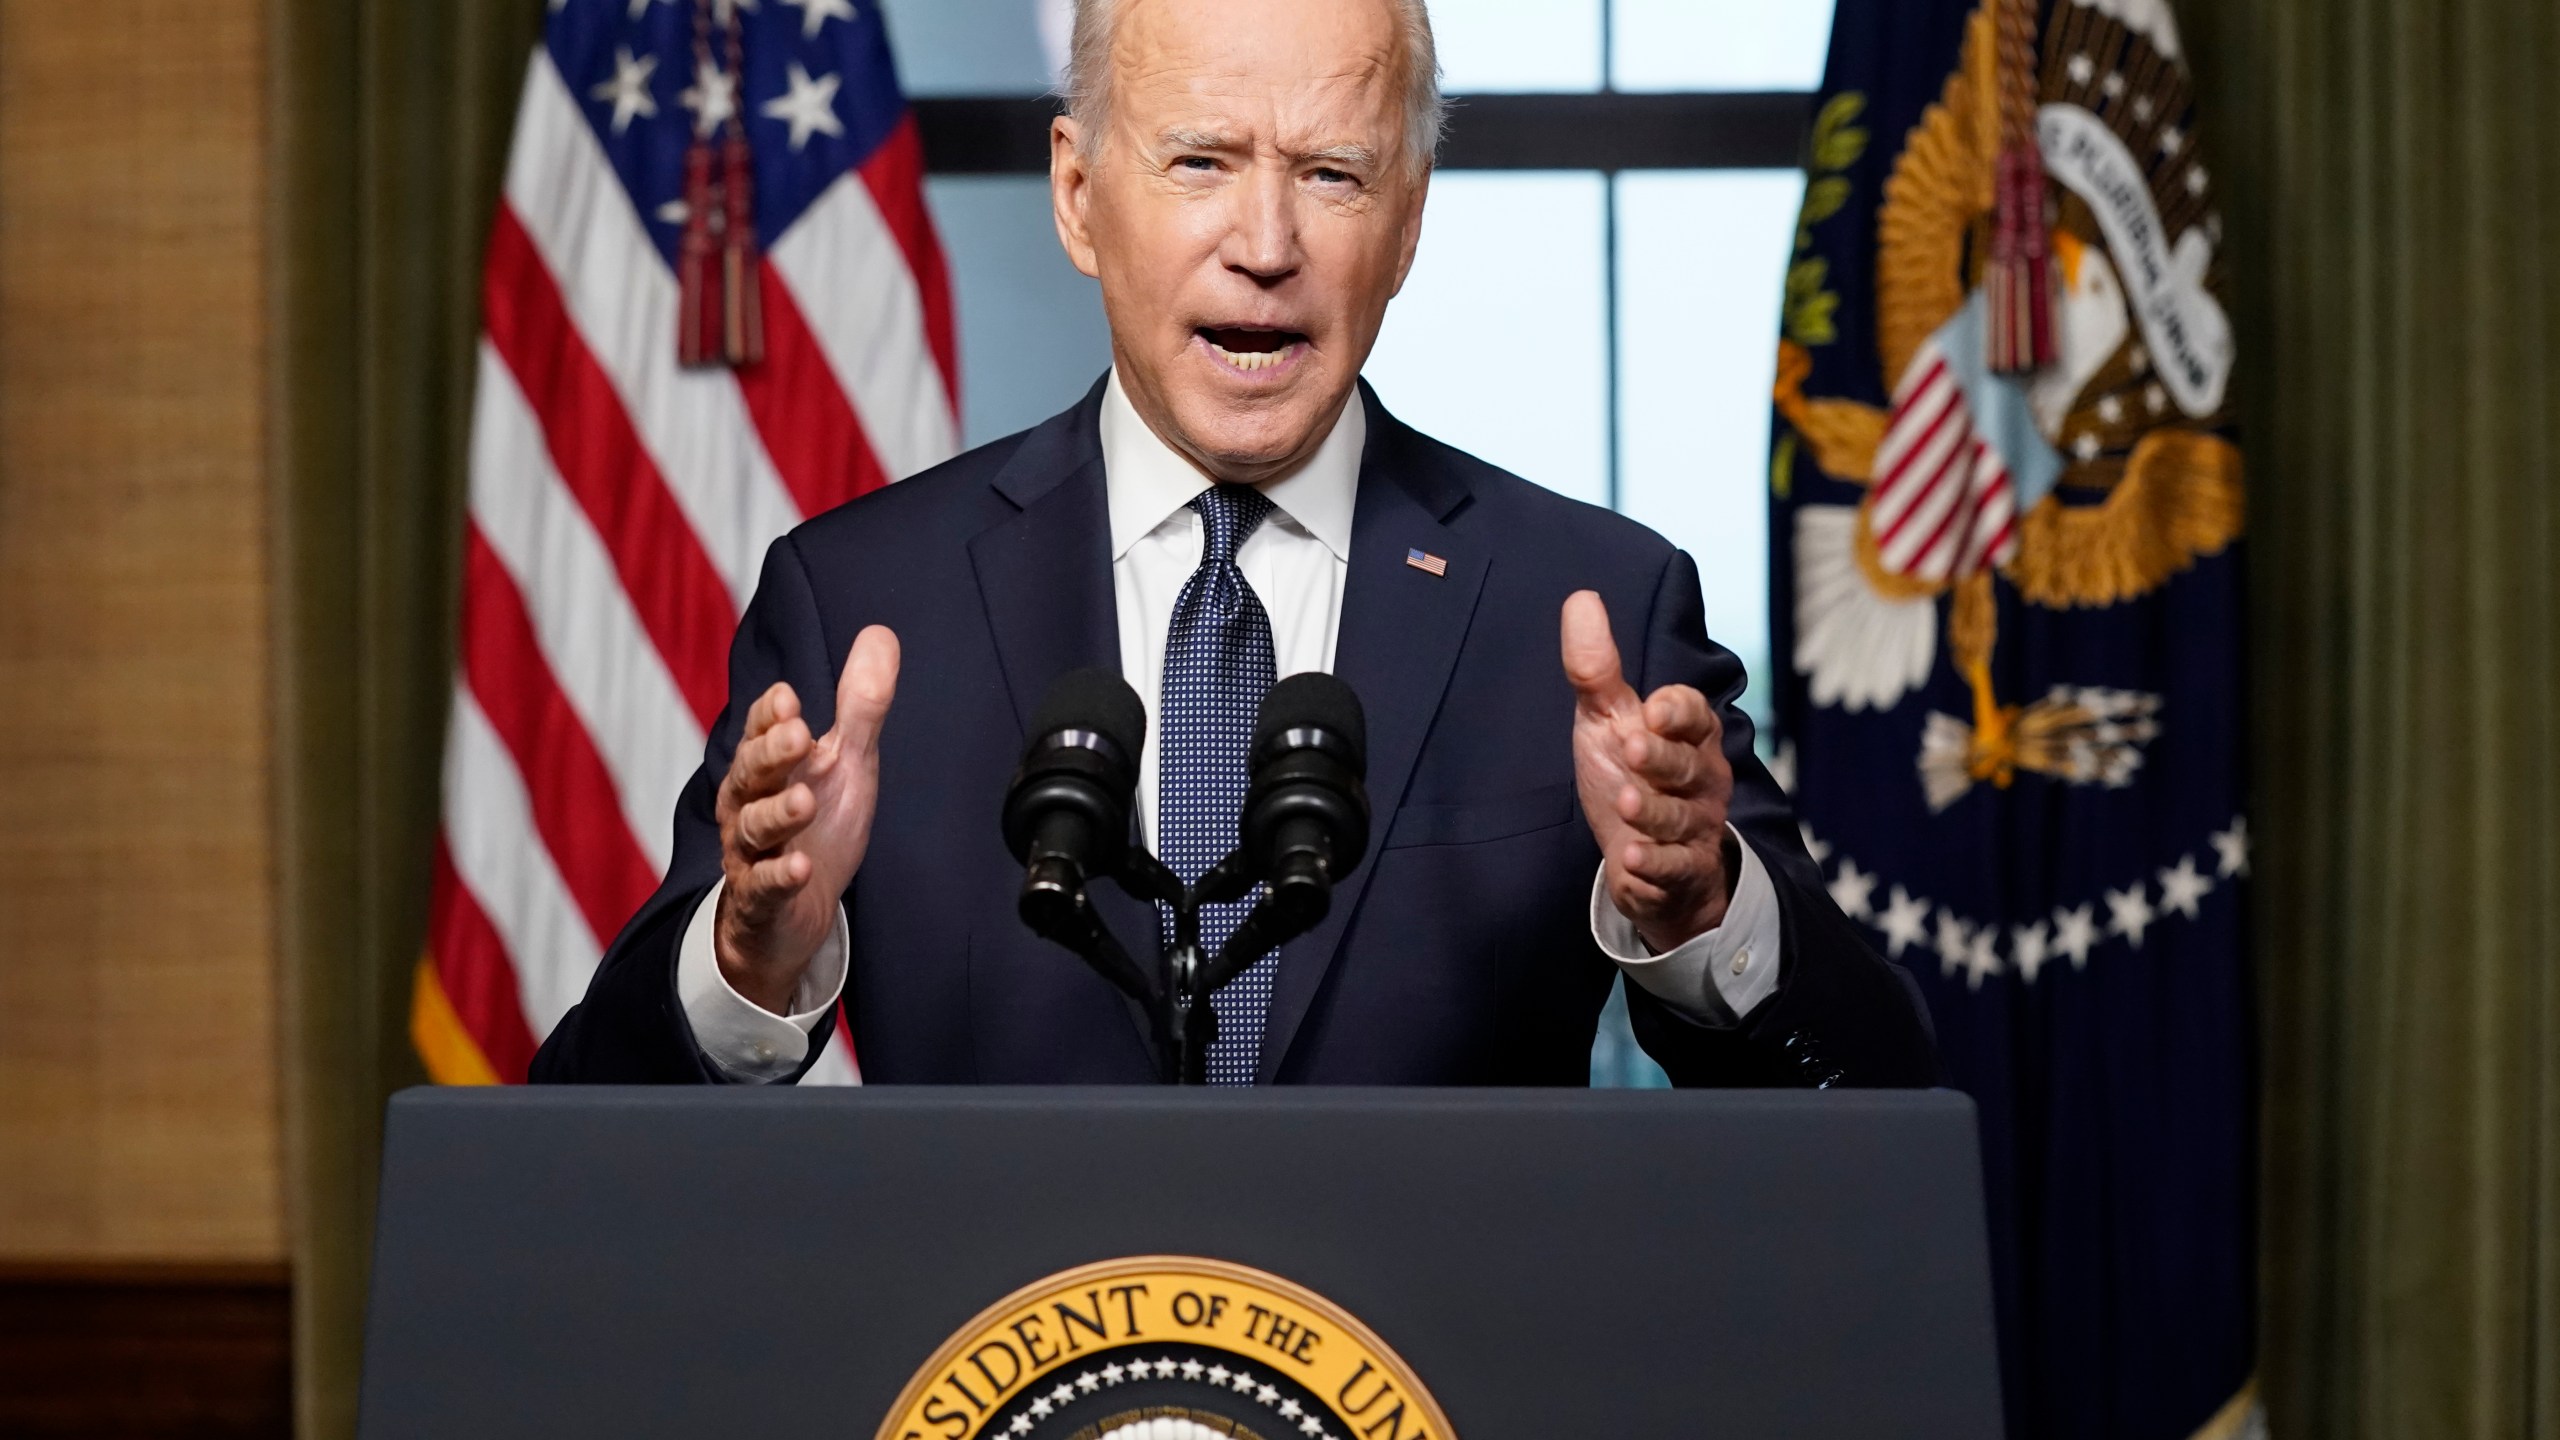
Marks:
<point>1263,240</point>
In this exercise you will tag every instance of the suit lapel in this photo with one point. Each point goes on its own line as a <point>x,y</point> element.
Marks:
<point>1399,637</point>
<point>1044,573</point>
<point>1044,576</point>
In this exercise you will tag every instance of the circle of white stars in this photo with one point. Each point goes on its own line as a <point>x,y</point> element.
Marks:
<point>2072,932</point>
<point>1096,1379</point>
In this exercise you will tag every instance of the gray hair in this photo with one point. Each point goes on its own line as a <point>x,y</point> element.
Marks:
<point>1086,87</point>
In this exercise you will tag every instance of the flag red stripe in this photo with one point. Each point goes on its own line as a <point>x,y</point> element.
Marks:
<point>809,428</point>
<point>1993,519</point>
<point>1959,455</point>
<point>565,780</point>
<point>1903,488</point>
<point>1991,552</point>
<point>1962,508</point>
<point>479,982</point>
<point>895,177</point>
<point>1924,388</point>
<point>664,569</point>
<point>1950,405</point>
<point>1991,511</point>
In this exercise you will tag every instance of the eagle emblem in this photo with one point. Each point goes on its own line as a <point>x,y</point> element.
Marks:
<point>2058,361</point>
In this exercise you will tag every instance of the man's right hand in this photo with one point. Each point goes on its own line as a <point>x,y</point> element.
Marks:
<point>795,818</point>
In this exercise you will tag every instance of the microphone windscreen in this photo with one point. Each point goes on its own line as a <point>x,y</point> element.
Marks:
<point>1093,699</point>
<point>1312,700</point>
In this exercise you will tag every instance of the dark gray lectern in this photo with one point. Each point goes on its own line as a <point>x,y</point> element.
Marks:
<point>1551,1265</point>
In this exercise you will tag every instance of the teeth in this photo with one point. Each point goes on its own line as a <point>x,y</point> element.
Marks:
<point>1252,359</point>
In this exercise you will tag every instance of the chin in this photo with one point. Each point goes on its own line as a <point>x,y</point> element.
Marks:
<point>1251,432</point>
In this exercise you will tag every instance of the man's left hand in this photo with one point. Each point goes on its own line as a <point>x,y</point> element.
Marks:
<point>1655,787</point>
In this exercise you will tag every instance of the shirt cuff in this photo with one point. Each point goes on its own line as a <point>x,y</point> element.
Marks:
<point>744,1041</point>
<point>1720,977</point>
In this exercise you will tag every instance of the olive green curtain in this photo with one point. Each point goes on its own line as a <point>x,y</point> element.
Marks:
<point>2392,171</point>
<point>390,121</point>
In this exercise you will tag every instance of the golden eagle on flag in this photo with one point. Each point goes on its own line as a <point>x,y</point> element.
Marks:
<point>2006,508</point>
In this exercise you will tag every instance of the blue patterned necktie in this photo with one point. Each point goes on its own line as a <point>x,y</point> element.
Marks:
<point>1217,664</point>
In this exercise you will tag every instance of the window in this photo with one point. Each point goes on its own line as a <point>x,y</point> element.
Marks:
<point>1718,44</point>
<point>1513,356</point>
<point>1642,150</point>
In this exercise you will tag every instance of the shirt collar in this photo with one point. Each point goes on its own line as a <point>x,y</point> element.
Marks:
<point>1147,481</point>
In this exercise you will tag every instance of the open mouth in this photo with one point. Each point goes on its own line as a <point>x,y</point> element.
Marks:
<point>1251,348</point>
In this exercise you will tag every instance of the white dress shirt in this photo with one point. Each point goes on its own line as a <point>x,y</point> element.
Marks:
<point>1297,561</point>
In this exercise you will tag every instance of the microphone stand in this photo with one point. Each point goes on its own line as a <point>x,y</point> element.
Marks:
<point>1176,997</point>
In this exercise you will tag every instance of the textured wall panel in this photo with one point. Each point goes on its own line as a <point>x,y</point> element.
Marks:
<point>138,1055</point>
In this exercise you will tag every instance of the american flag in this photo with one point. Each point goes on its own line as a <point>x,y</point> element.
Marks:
<point>621,500</point>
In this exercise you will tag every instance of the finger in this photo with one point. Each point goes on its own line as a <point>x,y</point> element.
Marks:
<point>869,683</point>
<point>1668,868</point>
<point>1679,712</point>
<point>761,888</point>
<point>1666,765</point>
<point>763,765</point>
<point>769,824</point>
<point>1635,896</point>
<point>1591,657</point>
<point>778,703</point>
<point>1662,818</point>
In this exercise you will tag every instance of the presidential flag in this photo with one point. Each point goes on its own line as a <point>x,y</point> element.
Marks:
<point>2006,590</point>
<point>713,306</point>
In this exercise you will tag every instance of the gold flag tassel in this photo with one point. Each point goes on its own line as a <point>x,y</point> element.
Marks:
<point>2017,281</point>
<point>719,311</point>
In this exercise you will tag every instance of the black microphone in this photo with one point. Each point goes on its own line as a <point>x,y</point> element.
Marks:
<point>1306,815</point>
<point>1066,816</point>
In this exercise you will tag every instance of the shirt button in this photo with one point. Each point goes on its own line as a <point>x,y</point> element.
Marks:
<point>1742,960</point>
<point>764,1052</point>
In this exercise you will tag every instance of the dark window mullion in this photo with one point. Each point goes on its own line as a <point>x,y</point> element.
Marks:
<point>1609,325</point>
<point>1609,263</point>
<point>1604,130</point>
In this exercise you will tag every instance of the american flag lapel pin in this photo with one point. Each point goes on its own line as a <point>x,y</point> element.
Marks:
<point>1426,562</point>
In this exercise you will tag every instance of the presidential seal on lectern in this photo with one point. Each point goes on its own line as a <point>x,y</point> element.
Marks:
<point>1165,1347</point>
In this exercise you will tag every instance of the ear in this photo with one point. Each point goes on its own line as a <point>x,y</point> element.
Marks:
<point>1070,191</point>
<point>1412,228</point>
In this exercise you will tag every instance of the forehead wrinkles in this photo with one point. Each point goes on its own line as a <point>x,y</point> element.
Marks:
<point>1184,62</point>
<point>1344,114</point>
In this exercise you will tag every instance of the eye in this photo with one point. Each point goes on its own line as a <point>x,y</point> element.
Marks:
<point>1198,164</point>
<point>1329,176</point>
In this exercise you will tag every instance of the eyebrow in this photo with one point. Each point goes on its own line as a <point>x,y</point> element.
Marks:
<point>1357,157</point>
<point>1351,154</point>
<point>1184,137</point>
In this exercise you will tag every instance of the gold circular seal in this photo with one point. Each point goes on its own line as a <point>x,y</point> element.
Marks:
<point>1165,1347</point>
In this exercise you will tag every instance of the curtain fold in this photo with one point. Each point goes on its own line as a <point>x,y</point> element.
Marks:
<point>2394,194</point>
<point>389,137</point>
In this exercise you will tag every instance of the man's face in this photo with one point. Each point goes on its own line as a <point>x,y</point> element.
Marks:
<point>1249,213</point>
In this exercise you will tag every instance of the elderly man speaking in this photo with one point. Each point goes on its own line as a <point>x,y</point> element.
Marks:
<point>1230,504</point>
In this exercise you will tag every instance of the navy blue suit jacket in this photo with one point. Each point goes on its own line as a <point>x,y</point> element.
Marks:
<point>1458,953</point>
